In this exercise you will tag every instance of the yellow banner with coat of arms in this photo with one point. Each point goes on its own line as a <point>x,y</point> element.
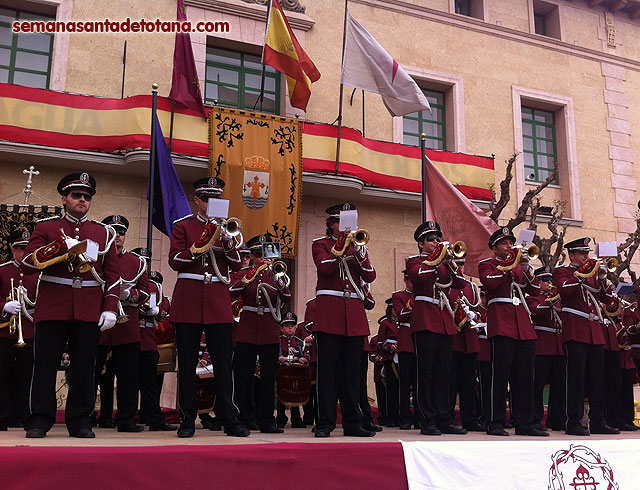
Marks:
<point>259,156</point>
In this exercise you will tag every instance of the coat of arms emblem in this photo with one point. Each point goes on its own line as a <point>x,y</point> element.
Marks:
<point>580,468</point>
<point>255,187</point>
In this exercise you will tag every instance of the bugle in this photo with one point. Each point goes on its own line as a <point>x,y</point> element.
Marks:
<point>595,265</point>
<point>231,227</point>
<point>76,259</point>
<point>446,251</point>
<point>15,294</point>
<point>517,254</point>
<point>279,268</point>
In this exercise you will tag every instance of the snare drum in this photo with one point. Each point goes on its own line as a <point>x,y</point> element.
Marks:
<point>167,360</point>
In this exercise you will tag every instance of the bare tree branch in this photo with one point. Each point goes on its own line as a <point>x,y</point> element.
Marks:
<point>626,252</point>
<point>526,203</point>
<point>496,207</point>
<point>548,256</point>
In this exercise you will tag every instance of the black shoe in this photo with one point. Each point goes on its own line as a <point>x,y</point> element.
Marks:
<point>405,426</point>
<point>604,429</point>
<point>130,427</point>
<point>322,433</point>
<point>186,431</point>
<point>539,427</point>
<point>162,427</point>
<point>252,426</point>
<point>628,427</point>
<point>211,424</point>
<point>452,429</point>
<point>307,421</point>
<point>390,425</point>
<point>4,427</point>
<point>358,432</point>
<point>272,430</point>
<point>36,433</point>
<point>83,433</point>
<point>238,431</point>
<point>531,432</point>
<point>430,430</point>
<point>475,427</point>
<point>298,424</point>
<point>497,431</point>
<point>105,424</point>
<point>372,427</point>
<point>578,431</point>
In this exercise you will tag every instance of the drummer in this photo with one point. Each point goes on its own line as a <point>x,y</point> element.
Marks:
<point>292,349</point>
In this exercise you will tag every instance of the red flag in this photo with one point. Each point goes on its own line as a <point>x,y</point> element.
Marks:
<point>459,218</point>
<point>185,86</point>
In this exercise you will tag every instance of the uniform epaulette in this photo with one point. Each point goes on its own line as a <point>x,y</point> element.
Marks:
<point>98,222</point>
<point>381,319</point>
<point>413,257</point>
<point>484,260</point>
<point>184,217</point>
<point>320,238</point>
<point>398,291</point>
<point>310,300</point>
<point>58,216</point>
<point>6,263</point>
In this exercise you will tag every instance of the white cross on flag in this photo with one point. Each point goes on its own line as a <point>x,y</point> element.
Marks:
<point>367,66</point>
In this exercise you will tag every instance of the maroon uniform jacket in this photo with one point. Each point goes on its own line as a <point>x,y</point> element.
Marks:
<point>148,340</point>
<point>429,287</point>
<point>294,346</point>
<point>609,331</point>
<point>96,290</point>
<point>631,322</point>
<point>11,270</point>
<point>339,309</point>
<point>547,327</point>
<point>507,311</point>
<point>466,340</point>
<point>626,360</point>
<point>306,328</point>
<point>134,277</point>
<point>373,355</point>
<point>403,313</point>
<point>484,354</point>
<point>580,320</point>
<point>387,337</point>
<point>200,296</point>
<point>257,324</point>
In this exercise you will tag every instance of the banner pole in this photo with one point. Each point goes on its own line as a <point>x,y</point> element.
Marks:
<point>423,143</point>
<point>152,170</point>
<point>344,37</point>
<point>261,96</point>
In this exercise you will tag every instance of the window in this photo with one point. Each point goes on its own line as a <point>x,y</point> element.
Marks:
<point>539,144</point>
<point>25,58</point>
<point>540,24</point>
<point>463,7</point>
<point>432,123</point>
<point>468,8</point>
<point>546,19</point>
<point>233,78</point>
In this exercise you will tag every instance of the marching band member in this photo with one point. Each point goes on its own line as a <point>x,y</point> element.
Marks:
<point>582,285</point>
<point>388,345</point>
<point>149,356</point>
<point>550,361</point>
<point>340,325</point>
<point>626,412</point>
<point>74,304</point>
<point>433,330</point>
<point>367,419</point>
<point>612,373</point>
<point>203,255</point>
<point>512,336</point>
<point>123,340</point>
<point>16,359</point>
<point>292,349</point>
<point>483,362</point>
<point>403,301</point>
<point>465,352</point>
<point>263,292</point>
<point>305,332</point>
<point>375,356</point>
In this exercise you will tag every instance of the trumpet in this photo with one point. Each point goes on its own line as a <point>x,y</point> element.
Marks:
<point>360,237</point>
<point>231,227</point>
<point>76,259</point>
<point>15,323</point>
<point>278,268</point>
<point>446,251</point>
<point>517,254</point>
<point>610,265</point>
<point>595,265</point>
<point>122,316</point>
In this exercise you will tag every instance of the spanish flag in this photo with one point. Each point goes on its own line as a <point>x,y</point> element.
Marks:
<point>283,52</point>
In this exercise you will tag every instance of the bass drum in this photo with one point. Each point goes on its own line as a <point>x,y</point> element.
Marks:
<point>294,384</point>
<point>167,360</point>
<point>205,394</point>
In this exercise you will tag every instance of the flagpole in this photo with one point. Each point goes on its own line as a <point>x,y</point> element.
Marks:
<point>363,113</point>
<point>423,143</point>
<point>261,96</point>
<point>124,68</point>
<point>152,170</point>
<point>344,37</point>
<point>173,112</point>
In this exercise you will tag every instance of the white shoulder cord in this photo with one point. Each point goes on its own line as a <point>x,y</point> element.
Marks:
<point>223,279</point>
<point>275,312</point>
<point>344,271</point>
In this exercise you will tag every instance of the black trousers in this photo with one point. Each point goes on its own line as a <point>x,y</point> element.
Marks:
<point>612,380</point>
<point>552,370</point>
<point>309,410</point>
<point>433,370</point>
<point>463,381</point>
<point>338,376</point>
<point>149,392</point>
<point>244,366</point>
<point>585,363</point>
<point>393,390</point>
<point>381,396</point>
<point>406,382</point>
<point>124,358</point>
<point>626,409</point>
<point>16,368</point>
<point>365,406</point>
<point>50,340</point>
<point>512,363</point>
<point>105,378</point>
<point>484,376</point>
<point>220,347</point>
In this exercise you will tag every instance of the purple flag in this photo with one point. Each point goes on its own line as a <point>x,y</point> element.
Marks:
<point>185,86</point>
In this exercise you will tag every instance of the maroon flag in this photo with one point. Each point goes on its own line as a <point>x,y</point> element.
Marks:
<point>185,86</point>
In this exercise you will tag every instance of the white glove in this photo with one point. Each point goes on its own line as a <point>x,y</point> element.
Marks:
<point>71,242</point>
<point>471,316</point>
<point>107,320</point>
<point>124,294</point>
<point>12,307</point>
<point>153,311</point>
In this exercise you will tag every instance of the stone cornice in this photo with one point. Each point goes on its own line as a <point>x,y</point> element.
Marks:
<point>253,11</point>
<point>476,25</point>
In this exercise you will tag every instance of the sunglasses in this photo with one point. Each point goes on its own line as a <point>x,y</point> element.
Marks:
<point>432,239</point>
<point>122,233</point>
<point>81,195</point>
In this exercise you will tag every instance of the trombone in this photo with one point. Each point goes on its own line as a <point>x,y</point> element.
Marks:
<point>15,323</point>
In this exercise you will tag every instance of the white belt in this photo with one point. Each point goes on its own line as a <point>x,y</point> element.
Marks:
<point>428,299</point>
<point>198,277</point>
<point>404,325</point>
<point>634,346</point>
<point>482,337</point>
<point>545,329</point>
<point>340,294</point>
<point>76,282</point>
<point>588,316</point>
<point>511,301</point>
<point>149,325</point>
<point>256,309</point>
